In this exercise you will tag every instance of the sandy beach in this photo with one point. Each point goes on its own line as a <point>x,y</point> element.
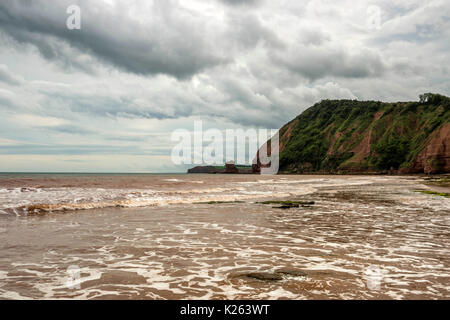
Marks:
<point>211,237</point>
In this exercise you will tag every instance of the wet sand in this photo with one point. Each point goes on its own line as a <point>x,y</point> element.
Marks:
<point>364,238</point>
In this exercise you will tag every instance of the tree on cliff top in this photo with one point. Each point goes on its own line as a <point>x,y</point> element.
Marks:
<point>432,98</point>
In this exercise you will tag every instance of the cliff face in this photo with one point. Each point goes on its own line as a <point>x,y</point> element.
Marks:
<point>435,157</point>
<point>345,136</point>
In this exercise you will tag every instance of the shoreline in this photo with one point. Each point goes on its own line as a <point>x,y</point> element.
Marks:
<point>318,241</point>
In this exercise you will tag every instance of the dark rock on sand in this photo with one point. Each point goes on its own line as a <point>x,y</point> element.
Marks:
<point>287,204</point>
<point>270,276</point>
<point>292,272</point>
<point>265,276</point>
<point>116,277</point>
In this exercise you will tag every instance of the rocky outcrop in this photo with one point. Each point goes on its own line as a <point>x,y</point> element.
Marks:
<point>230,167</point>
<point>203,169</point>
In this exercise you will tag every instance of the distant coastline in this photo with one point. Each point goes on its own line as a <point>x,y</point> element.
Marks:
<point>228,168</point>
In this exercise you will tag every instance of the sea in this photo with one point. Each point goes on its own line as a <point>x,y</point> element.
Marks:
<point>218,236</point>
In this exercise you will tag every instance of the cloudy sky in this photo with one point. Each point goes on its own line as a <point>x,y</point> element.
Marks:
<point>107,97</point>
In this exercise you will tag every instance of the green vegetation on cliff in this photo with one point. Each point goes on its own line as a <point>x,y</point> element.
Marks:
<point>364,136</point>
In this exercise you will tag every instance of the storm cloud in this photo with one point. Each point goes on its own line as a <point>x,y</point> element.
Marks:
<point>173,41</point>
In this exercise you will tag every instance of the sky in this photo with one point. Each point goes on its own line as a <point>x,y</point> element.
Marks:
<point>108,96</point>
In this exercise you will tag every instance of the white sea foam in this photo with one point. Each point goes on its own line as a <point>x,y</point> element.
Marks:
<point>34,200</point>
<point>195,255</point>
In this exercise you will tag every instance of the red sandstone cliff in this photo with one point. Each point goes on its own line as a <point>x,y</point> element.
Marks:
<point>350,136</point>
<point>435,158</point>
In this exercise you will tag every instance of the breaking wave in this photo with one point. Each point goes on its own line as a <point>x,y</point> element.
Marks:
<point>22,201</point>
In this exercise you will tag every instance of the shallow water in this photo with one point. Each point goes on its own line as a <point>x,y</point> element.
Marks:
<point>156,237</point>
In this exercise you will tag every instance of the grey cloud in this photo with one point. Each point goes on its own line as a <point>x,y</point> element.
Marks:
<point>173,43</point>
<point>247,30</point>
<point>71,129</point>
<point>241,104</point>
<point>5,101</point>
<point>61,149</point>
<point>127,138</point>
<point>122,106</point>
<point>314,37</point>
<point>317,62</point>
<point>424,33</point>
<point>9,78</point>
<point>255,67</point>
<point>53,49</point>
<point>241,2</point>
<point>7,98</point>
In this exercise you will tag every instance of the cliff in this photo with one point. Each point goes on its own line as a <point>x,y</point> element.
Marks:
<point>349,136</point>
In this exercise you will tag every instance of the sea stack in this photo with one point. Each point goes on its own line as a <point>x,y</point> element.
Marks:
<point>230,167</point>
